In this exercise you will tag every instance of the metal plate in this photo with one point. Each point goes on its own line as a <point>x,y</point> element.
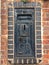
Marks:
<point>24,33</point>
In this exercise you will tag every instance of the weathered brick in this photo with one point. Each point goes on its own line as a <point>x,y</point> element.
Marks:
<point>3,1</point>
<point>46,56</point>
<point>46,4</point>
<point>4,48</point>
<point>4,22</point>
<point>45,61</point>
<point>4,30</point>
<point>45,37</point>
<point>4,17</point>
<point>45,19</point>
<point>45,41</point>
<point>4,11</point>
<point>4,39</point>
<point>46,47</point>
<point>46,28</point>
<point>45,10</point>
<point>3,4</point>
<point>4,27</point>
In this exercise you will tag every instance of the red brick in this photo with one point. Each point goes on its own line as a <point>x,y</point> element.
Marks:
<point>4,21</point>
<point>4,39</point>
<point>4,11</point>
<point>4,32</point>
<point>46,4</point>
<point>45,61</point>
<point>46,56</point>
<point>45,41</point>
<point>46,47</point>
<point>45,37</point>
<point>5,27</point>
<point>4,17</point>
<point>3,4</point>
<point>45,10</point>
<point>45,19</point>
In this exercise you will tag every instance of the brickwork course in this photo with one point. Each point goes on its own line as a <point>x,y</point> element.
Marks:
<point>4,30</point>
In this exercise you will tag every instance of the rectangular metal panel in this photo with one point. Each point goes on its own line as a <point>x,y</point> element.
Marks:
<point>25,33</point>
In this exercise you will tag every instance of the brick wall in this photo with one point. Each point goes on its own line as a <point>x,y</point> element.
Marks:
<point>45,25</point>
<point>4,31</point>
<point>0,32</point>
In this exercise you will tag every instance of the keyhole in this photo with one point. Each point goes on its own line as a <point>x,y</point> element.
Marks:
<point>24,27</point>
